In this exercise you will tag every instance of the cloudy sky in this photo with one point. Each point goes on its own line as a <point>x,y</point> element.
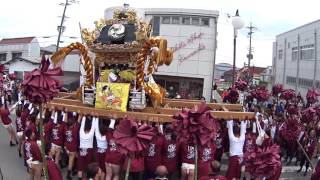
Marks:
<point>40,18</point>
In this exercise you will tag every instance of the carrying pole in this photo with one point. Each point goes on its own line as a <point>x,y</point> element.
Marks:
<point>306,155</point>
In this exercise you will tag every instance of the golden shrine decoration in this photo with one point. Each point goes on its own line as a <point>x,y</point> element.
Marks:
<point>59,56</point>
<point>161,55</point>
<point>129,15</point>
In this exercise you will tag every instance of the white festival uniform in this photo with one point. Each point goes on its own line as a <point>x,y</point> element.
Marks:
<point>86,139</point>
<point>236,143</point>
<point>102,143</point>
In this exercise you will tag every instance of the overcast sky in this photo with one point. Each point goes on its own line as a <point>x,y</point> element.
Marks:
<point>39,18</point>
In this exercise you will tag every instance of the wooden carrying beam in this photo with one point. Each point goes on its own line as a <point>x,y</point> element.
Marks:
<point>74,102</point>
<point>180,103</point>
<point>219,106</point>
<point>65,94</point>
<point>226,115</point>
<point>149,114</point>
<point>191,103</point>
<point>114,114</point>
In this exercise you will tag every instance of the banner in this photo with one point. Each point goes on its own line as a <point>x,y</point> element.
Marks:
<point>112,96</point>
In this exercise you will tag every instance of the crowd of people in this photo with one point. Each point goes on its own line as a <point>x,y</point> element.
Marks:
<point>84,145</point>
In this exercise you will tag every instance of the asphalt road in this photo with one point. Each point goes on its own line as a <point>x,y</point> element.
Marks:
<point>11,165</point>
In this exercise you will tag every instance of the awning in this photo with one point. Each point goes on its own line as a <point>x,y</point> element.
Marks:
<point>70,80</point>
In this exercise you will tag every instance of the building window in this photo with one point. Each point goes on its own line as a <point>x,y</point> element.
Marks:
<point>294,54</point>
<point>318,84</point>
<point>291,80</point>
<point>186,20</point>
<point>175,20</point>
<point>305,82</point>
<point>195,21</point>
<point>155,25</point>
<point>205,22</point>
<point>165,20</point>
<point>280,54</point>
<point>307,52</point>
<point>3,57</point>
<point>16,55</point>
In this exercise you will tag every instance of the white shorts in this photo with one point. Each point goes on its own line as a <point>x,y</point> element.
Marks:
<point>7,126</point>
<point>39,143</point>
<point>187,167</point>
<point>20,134</point>
<point>35,162</point>
<point>54,146</point>
<point>30,162</point>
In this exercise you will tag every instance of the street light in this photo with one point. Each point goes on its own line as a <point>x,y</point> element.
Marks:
<point>237,24</point>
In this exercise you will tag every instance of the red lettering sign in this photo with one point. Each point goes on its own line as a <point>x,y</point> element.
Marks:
<point>184,58</point>
<point>190,40</point>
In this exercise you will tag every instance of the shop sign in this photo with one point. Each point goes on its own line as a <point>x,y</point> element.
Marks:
<point>180,45</point>
<point>182,58</point>
<point>190,40</point>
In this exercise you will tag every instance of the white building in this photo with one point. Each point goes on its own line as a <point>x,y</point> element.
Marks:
<point>20,54</point>
<point>296,58</point>
<point>266,75</point>
<point>25,47</point>
<point>192,34</point>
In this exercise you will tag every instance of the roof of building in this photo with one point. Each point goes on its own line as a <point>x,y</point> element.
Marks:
<point>20,40</point>
<point>230,71</point>
<point>52,49</point>
<point>181,11</point>
<point>223,66</point>
<point>316,21</point>
<point>254,70</point>
<point>32,61</point>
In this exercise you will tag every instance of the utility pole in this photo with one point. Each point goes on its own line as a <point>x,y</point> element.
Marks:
<point>61,28</point>
<point>250,56</point>
<point>251,31</point>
